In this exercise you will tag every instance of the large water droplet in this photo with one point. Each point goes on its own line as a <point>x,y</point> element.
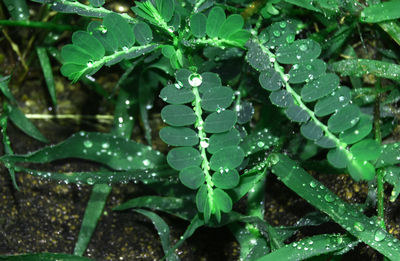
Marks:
<point>88,144</point>
<point>303,47</point>
<point>195,79</point>
<point>260,144</point>
<point>358,226</point>
<point>146,162</point>
<point>90,181</point>
<point>313,184</point>
<point>379,235</point>
<point>329,198</point>
<point>282,24</point>
<point>290,38</point>
<point>274,159</point>
<point>276,33</point>
<point>105,145</point>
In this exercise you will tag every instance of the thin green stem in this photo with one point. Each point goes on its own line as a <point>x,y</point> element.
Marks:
<point>203,140</point>
<point>41,25</point>
<point>380,173</point>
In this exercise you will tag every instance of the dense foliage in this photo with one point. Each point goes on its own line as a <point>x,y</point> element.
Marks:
<point>244,89</point>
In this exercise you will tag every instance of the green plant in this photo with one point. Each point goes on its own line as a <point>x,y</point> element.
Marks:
<point>221,153</point>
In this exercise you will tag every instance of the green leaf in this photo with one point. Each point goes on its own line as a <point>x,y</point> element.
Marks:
<point>227,158</point>
<point>337,158</point>
<point>333,102</point>
<point>175,94</point>
<point>381,12</point>
<point>218,122</point>
<point>4,88</point>
<point>106,37</point>
<point>163,231</point>
<point>198,25</point>
<point>226,179</point>
<point>307,70</point>
<point>320,87</point>
<point>367,149</point>
<point>344,119</point>
<point>44,257</point>
<point>18,9</point>
<point>143,33</point>
<point>202,198</point>
<point>297,114</point>
<point>325,142</point>
<point>279,33</point>
<point>183,157</point>
<point>225,139</point>
<point>215,19</point>
<point>222,200</point>
<point>178,136</point>
<point>97,3</point>
<point>209,81</point>
<point>360,67</point>
<point>311,131</point>
<point>300,250</point>
<point>178,115</point>
<point>121,29</point>
<point>300,50</point>
<point>361,170</point>
<point>392,176</point>
<point>359,131</point>
<point>390,155</point>
<point>217,99</point>
<point>270,80</point>
<point>231,25</point>
<point>281,98</point>
<point>116,153</point>
<point>168,51</point>
<point>240,37</point>
<point>47,72</point>
<point>257,58</point>
<point>166,9</point>
<point>182,77</point>
<point>24,124</point>
<point>192,177</point>
<point>75,55</point>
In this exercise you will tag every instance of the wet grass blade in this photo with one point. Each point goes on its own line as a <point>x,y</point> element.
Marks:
<point>175,206</point>
<point>359,67</point>
<point>93,212</point>
<point>309,247</point>
<point>163,232</point>
<point>7,148</point>
<point>47,73</point>
<point>18,9</point>
<point>392,28</point>
<point>381,12</point>
<point>348,216</point>
<point>44,257</point>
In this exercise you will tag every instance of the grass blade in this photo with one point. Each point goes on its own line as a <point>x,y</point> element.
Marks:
<point>359,67</point>
<point>348,216</point>
<point>309,247</point>
<point>381,12</point>
<point>163,231</point>
<point>18,9</point>
<point>392,28</point>
<point>47,73</point>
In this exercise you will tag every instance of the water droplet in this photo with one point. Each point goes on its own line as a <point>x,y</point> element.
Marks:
<point>103,29</point>
<point>105,145</point>
<point>313,184</point>
<point>303,47</point>
<point>358,226</point>
<point>308,67</point>
<point>282,24</point>
<point>379,235</point>
<point>195,79</point>
<point>125,48</point>
<point>290,38</point>
<point>146,162</point>
<point>89,64</point>
<point>260,144</point>
<point>88,143</point>
<point>329,198</point>
<point>274,159</point>
<point>276,33</point>
<point>90,181</point>
<point>204,144</point>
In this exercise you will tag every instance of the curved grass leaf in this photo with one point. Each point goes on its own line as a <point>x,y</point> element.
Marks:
<point>366,229</point>
<point>116,153</point>
<point>310,247</point>
<point>47,73</point>
<point>163,231</point>
<point>359,67</point>
<point>381,12</point>
<point>18,9</point>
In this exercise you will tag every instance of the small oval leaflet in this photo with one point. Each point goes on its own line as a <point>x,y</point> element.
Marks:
<point>325,142</point>
<point>300,50</point>
<point>305,71</point>
<point>281,98</point>
<point>344,119</point>
<point>311,131</point>
<point>319,87</point>
<point>178,115</point>
<point>334,102</point>
<point>120,27</point>
<point>218,122</point>
<point>217,99</point>
<point>179,136</point>
<point>215,19</point>
<point>361,170</point>
<point>225,139</point>
<point>337,158</point>
<point>209,81</point>
<point>183,157</point>
<point>367,149</point>
<point>359,131</point>
<point>175,94</point>
<point>182,76</point>
<point>227,158</point>
<point>143,33</point>
<point>222,200</point>
<point>226,180</point>
<point>297,114</point>
<point>192,177</point>
<point>88,43</point>
<point>270,80</point>
<point>276,35</point>
<point>231,25</point>
<point>202,198</point>
<point>198,25</point>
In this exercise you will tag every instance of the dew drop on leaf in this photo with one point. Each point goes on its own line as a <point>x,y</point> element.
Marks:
<point>88,144</point>
<point>313,184</point>
<point>379,235</point>
<point>90,181</point>
<point>105,145</point>
<point>195,79</point>
<point>303,47</point>
<point>358,226</point>
<point>329,198</point>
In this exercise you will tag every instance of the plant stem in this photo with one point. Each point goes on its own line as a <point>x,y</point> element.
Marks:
<point>42,25</point>
<point>380,173</point>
